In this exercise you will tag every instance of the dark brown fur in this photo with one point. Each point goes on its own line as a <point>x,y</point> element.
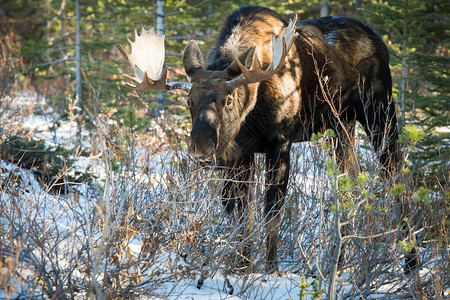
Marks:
<point>268,116</point>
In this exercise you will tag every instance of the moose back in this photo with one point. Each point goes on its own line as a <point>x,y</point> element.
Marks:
<point>266,84</point>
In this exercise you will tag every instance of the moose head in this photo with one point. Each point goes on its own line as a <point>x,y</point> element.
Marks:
<point>218,101</point>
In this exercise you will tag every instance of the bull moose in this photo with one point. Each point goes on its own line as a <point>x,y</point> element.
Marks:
<point>266,84</point>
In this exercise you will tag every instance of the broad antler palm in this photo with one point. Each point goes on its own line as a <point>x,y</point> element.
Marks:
<point>147,61</point>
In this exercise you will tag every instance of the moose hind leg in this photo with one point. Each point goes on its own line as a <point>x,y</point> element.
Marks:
<point>348,162</point>
<point>345,151</point>
<point>380,124</point>
<point>277,167</point>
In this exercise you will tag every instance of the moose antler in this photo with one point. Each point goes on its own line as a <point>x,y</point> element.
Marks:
<point>280,48</point>
<point>146,60</point>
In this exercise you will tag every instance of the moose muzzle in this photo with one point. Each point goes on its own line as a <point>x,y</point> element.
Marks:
<point>203,142</point>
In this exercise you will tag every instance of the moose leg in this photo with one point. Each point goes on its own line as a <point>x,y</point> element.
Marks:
<point>380,124</point>
<point>348,163</point>
<point>277,167</point>
<point>345,151</point>
<point>236,191</point>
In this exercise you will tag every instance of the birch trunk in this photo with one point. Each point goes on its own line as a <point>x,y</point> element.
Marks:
<point>324,9</point>
<point>78,105</point>
<point>160,17</point>
<point>159,30</point>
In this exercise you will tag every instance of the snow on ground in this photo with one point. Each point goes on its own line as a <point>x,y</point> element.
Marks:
<point>41,213</point>
<point>64,134</point>
<point>67,214</point>
<point>221,287</point>
<point>56,211</point>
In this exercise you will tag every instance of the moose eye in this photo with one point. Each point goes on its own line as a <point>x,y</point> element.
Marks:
<point>229,101</point>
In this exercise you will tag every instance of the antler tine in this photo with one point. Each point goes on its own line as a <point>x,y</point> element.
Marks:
<point>280,49</point>
<point>147,62</point>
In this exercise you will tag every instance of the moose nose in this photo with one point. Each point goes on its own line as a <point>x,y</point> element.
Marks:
<point>203,151</point>
<point>203,144</point>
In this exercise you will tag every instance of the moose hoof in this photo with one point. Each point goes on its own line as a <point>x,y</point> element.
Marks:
<point>272,268</point>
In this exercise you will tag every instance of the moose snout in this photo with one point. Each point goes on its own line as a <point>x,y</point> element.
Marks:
<point>203,143</point>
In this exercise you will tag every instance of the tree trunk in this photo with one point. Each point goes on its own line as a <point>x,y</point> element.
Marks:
<point>338,225</point>
<point>402,99</point>
<point>47,30</point>
<point>160,17</point>
<point>62,25</point>
<point>1,16</point>
<point>78,105</point>
<point>325,10</point>
<point>159,30</point>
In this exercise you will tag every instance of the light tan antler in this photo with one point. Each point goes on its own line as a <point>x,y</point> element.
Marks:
<point>280,49</point>
<point>147,60</point>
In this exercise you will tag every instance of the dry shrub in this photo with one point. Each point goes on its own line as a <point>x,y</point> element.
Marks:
<point>154,218</point>
<point>176,214</point>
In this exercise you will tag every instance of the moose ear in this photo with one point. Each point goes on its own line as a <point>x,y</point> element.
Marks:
<point>192,58</point>
<point>246,58</point>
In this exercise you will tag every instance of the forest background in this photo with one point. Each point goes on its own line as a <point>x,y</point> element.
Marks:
<point>65,52</point>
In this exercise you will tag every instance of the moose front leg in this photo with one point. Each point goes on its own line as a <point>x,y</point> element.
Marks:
<point>236,191</point>
<point>277,167</point>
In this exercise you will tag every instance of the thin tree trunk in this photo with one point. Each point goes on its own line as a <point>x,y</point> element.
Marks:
<point>47,30</point>
<point>337,249</point>
<point>1,15</point>
<point>402,99</point>
<point>78,105</point>
<point>160,17</point>
<point>159,30</point>
<point>62,25</point>
<point>324,9</point>
<point>210,13</point>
